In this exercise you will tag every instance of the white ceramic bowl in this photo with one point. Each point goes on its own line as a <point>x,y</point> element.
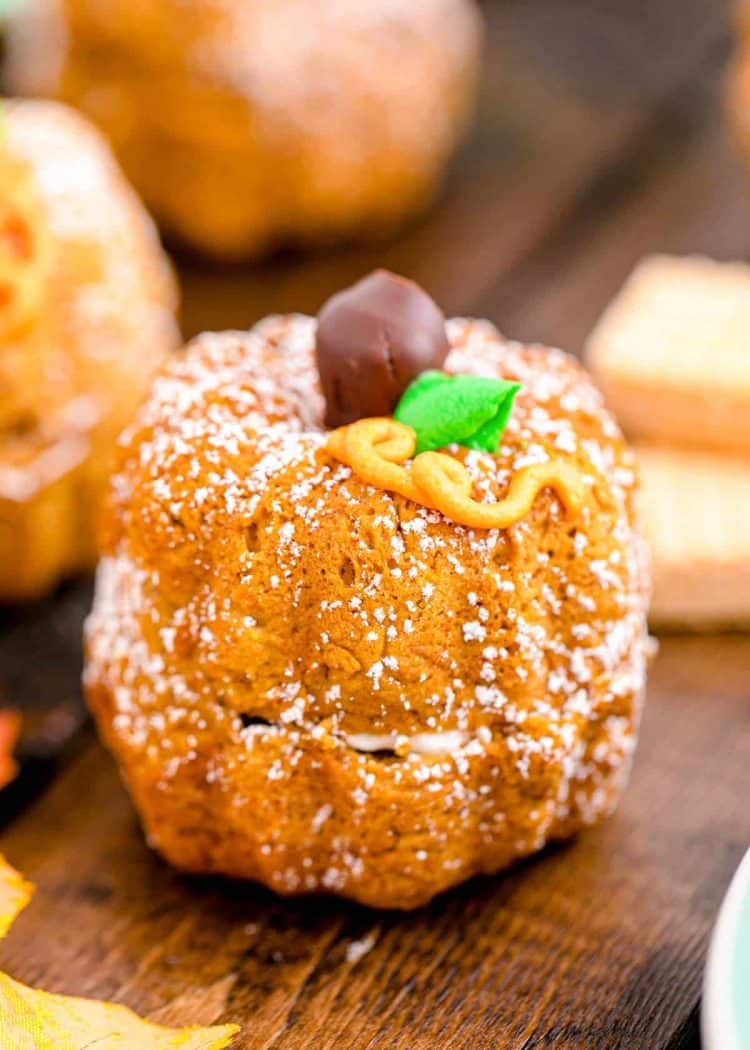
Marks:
<point>726,992</point>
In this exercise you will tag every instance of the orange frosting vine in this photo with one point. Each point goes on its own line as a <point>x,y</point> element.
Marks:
<point>376,449</point>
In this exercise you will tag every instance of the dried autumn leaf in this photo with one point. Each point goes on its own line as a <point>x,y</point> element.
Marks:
<point>34,1020</point>
<point>10,730</point>
<point>15,894</point>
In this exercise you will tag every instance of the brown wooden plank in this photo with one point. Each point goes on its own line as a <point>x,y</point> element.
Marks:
<point>40,670</point>
<point>597,944</point>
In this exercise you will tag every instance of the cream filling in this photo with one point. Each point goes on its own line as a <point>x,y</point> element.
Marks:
<point>419,744</point>
<point>371,743</point>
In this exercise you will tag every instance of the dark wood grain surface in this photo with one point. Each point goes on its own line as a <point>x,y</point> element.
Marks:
<point>600,138</point>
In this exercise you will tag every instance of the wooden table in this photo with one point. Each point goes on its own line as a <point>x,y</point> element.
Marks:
<point>600,138</point>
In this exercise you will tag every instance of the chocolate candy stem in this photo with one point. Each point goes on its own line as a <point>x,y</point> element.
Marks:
<point>373,339</point>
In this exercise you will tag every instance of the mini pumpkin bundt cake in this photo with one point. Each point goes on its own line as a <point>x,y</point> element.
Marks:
<point>86,317</point>
<point>247,123</point>
<point>381,658</point>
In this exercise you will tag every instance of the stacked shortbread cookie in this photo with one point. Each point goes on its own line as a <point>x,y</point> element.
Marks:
<point>672,354</point>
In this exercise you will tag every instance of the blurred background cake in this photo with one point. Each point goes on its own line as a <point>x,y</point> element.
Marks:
<point>87,305</point>
<point>247,124</point>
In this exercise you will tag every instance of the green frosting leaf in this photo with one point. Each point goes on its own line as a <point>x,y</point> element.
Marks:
<point>464,410</point>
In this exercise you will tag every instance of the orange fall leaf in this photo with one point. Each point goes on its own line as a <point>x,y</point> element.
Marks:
<point>10,730</point>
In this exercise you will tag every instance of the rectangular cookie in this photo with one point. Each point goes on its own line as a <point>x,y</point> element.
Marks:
<point>672,352</point>
<point>696,515</point>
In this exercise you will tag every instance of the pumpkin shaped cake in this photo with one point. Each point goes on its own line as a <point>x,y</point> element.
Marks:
<point>249,123</point>
<point>87,306</point>
<point>381,658</point>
